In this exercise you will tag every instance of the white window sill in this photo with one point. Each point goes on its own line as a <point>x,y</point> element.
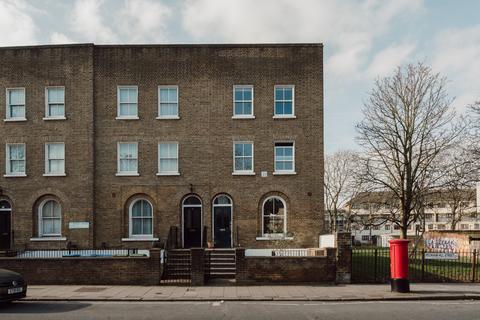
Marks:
<point>284,117</point>
<point>54,174</point>
<point>140,239</point>
<point>286,173</point>
<point>54,118</point>
<point>243,117</point>
<point>126,174</point>
<point>14,119</point>
<point>128,118</point>
<point>168,118</point>
<point>243,173</point>
<point>49,239</point>
<point>272,238</point>
<point>168,174</point>
<point>12,175</point>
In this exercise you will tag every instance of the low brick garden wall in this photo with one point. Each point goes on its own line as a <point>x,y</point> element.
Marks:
<point>88,271</point>
<point>290,269</point>
<point>310,269</point>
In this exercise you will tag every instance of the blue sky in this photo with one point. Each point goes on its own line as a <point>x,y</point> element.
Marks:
<point>362,39</point>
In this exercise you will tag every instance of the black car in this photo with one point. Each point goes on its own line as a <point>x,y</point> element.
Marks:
<point>12,286</point>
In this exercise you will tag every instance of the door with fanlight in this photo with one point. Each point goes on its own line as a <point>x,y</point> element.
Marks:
<point>5,225</point>
<point>192,222</point>
<point>222,222</point>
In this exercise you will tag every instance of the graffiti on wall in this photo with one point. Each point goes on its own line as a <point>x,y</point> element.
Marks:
<point>441,244</point>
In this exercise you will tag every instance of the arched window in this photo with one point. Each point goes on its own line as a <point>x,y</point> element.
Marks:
<point>141,218</point>
<point>274,217</point>
<point>222,200</point>
<point>50,219</point>
<point>5,205</point>
<point>192,200</point>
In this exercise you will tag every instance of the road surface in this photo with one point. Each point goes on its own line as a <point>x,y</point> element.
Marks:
<point>437,310</point>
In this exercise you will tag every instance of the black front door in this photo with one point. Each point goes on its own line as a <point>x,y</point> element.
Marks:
<point>192,227</point>
<point>222,232</point>
<point>5,230</point>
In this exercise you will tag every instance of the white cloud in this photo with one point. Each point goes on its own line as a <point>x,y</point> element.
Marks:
<point>144,20</point>
<point>113,21</point>
<point>18,28</point>
<point>349,28</point>
<point>60,38</point>
<point>87,21</point>
<point>456,54</point>
<point>385,61</point>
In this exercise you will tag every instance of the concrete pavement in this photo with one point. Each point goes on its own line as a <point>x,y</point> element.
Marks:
<point>353,292</point>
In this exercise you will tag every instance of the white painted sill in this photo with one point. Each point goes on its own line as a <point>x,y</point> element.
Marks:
<point>243,173</point>
<point>120,174</point>
<point>166,174</point>
<point>168,118</point>
<point>49,239</point>
<point>273,238</point>
<point>127,118</point>
<point>284,117</point>
<point>54,118</point>
<point>139,239</point>
<point>54,174</point>
<point>20,175</point>
<point>284,173</point>
<point>243,117</point>
<point>14,119</point>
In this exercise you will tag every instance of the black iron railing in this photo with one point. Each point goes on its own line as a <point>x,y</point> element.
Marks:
<point>373,265</point>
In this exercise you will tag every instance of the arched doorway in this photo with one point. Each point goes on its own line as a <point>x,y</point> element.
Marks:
<point>222,221</point>
<point>192,222</point>
<point>5,225</point>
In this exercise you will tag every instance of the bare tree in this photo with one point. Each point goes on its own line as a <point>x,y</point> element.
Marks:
<point>474,130</point>
<point>341,185</point>
<point>458,175</point>
<point>408,122</point>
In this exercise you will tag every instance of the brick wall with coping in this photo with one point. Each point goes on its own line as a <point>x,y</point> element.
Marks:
<point>88,271</point>
<point>311,269</point>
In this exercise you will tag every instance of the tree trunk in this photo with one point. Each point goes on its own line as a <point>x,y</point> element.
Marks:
<point>403,232</point>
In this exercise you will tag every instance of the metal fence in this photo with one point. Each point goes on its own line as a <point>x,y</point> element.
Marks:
<point>372,265</point>
<point>72,253</point>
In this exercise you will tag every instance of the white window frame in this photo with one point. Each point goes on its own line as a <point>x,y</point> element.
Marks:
<point>243,116</point>
<point>130,222</point>
<point>160,117</point>
<point>8,169</point>
<point>47,104</point>
<point>47,171</point>
<point>168,173</point>
<point>244,172</point>
<point>275,235</point>
<point>119,116</point>
<point>8,105</point>
<point>41,234</point>
<point>283,116</point>
<point>283,172</point>
<point>126,173</point>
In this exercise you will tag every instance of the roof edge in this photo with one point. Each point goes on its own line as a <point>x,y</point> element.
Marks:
<point>173,45</point>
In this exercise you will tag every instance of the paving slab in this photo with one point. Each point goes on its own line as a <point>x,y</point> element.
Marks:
<point>352,292</point>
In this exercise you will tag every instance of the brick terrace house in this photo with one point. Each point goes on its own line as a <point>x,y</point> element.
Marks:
<point>113,145</point>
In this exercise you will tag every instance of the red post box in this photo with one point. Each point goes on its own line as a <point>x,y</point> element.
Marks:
<point>399,265</point>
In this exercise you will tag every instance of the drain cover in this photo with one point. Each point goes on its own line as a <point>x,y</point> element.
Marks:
<point>90,289</point>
